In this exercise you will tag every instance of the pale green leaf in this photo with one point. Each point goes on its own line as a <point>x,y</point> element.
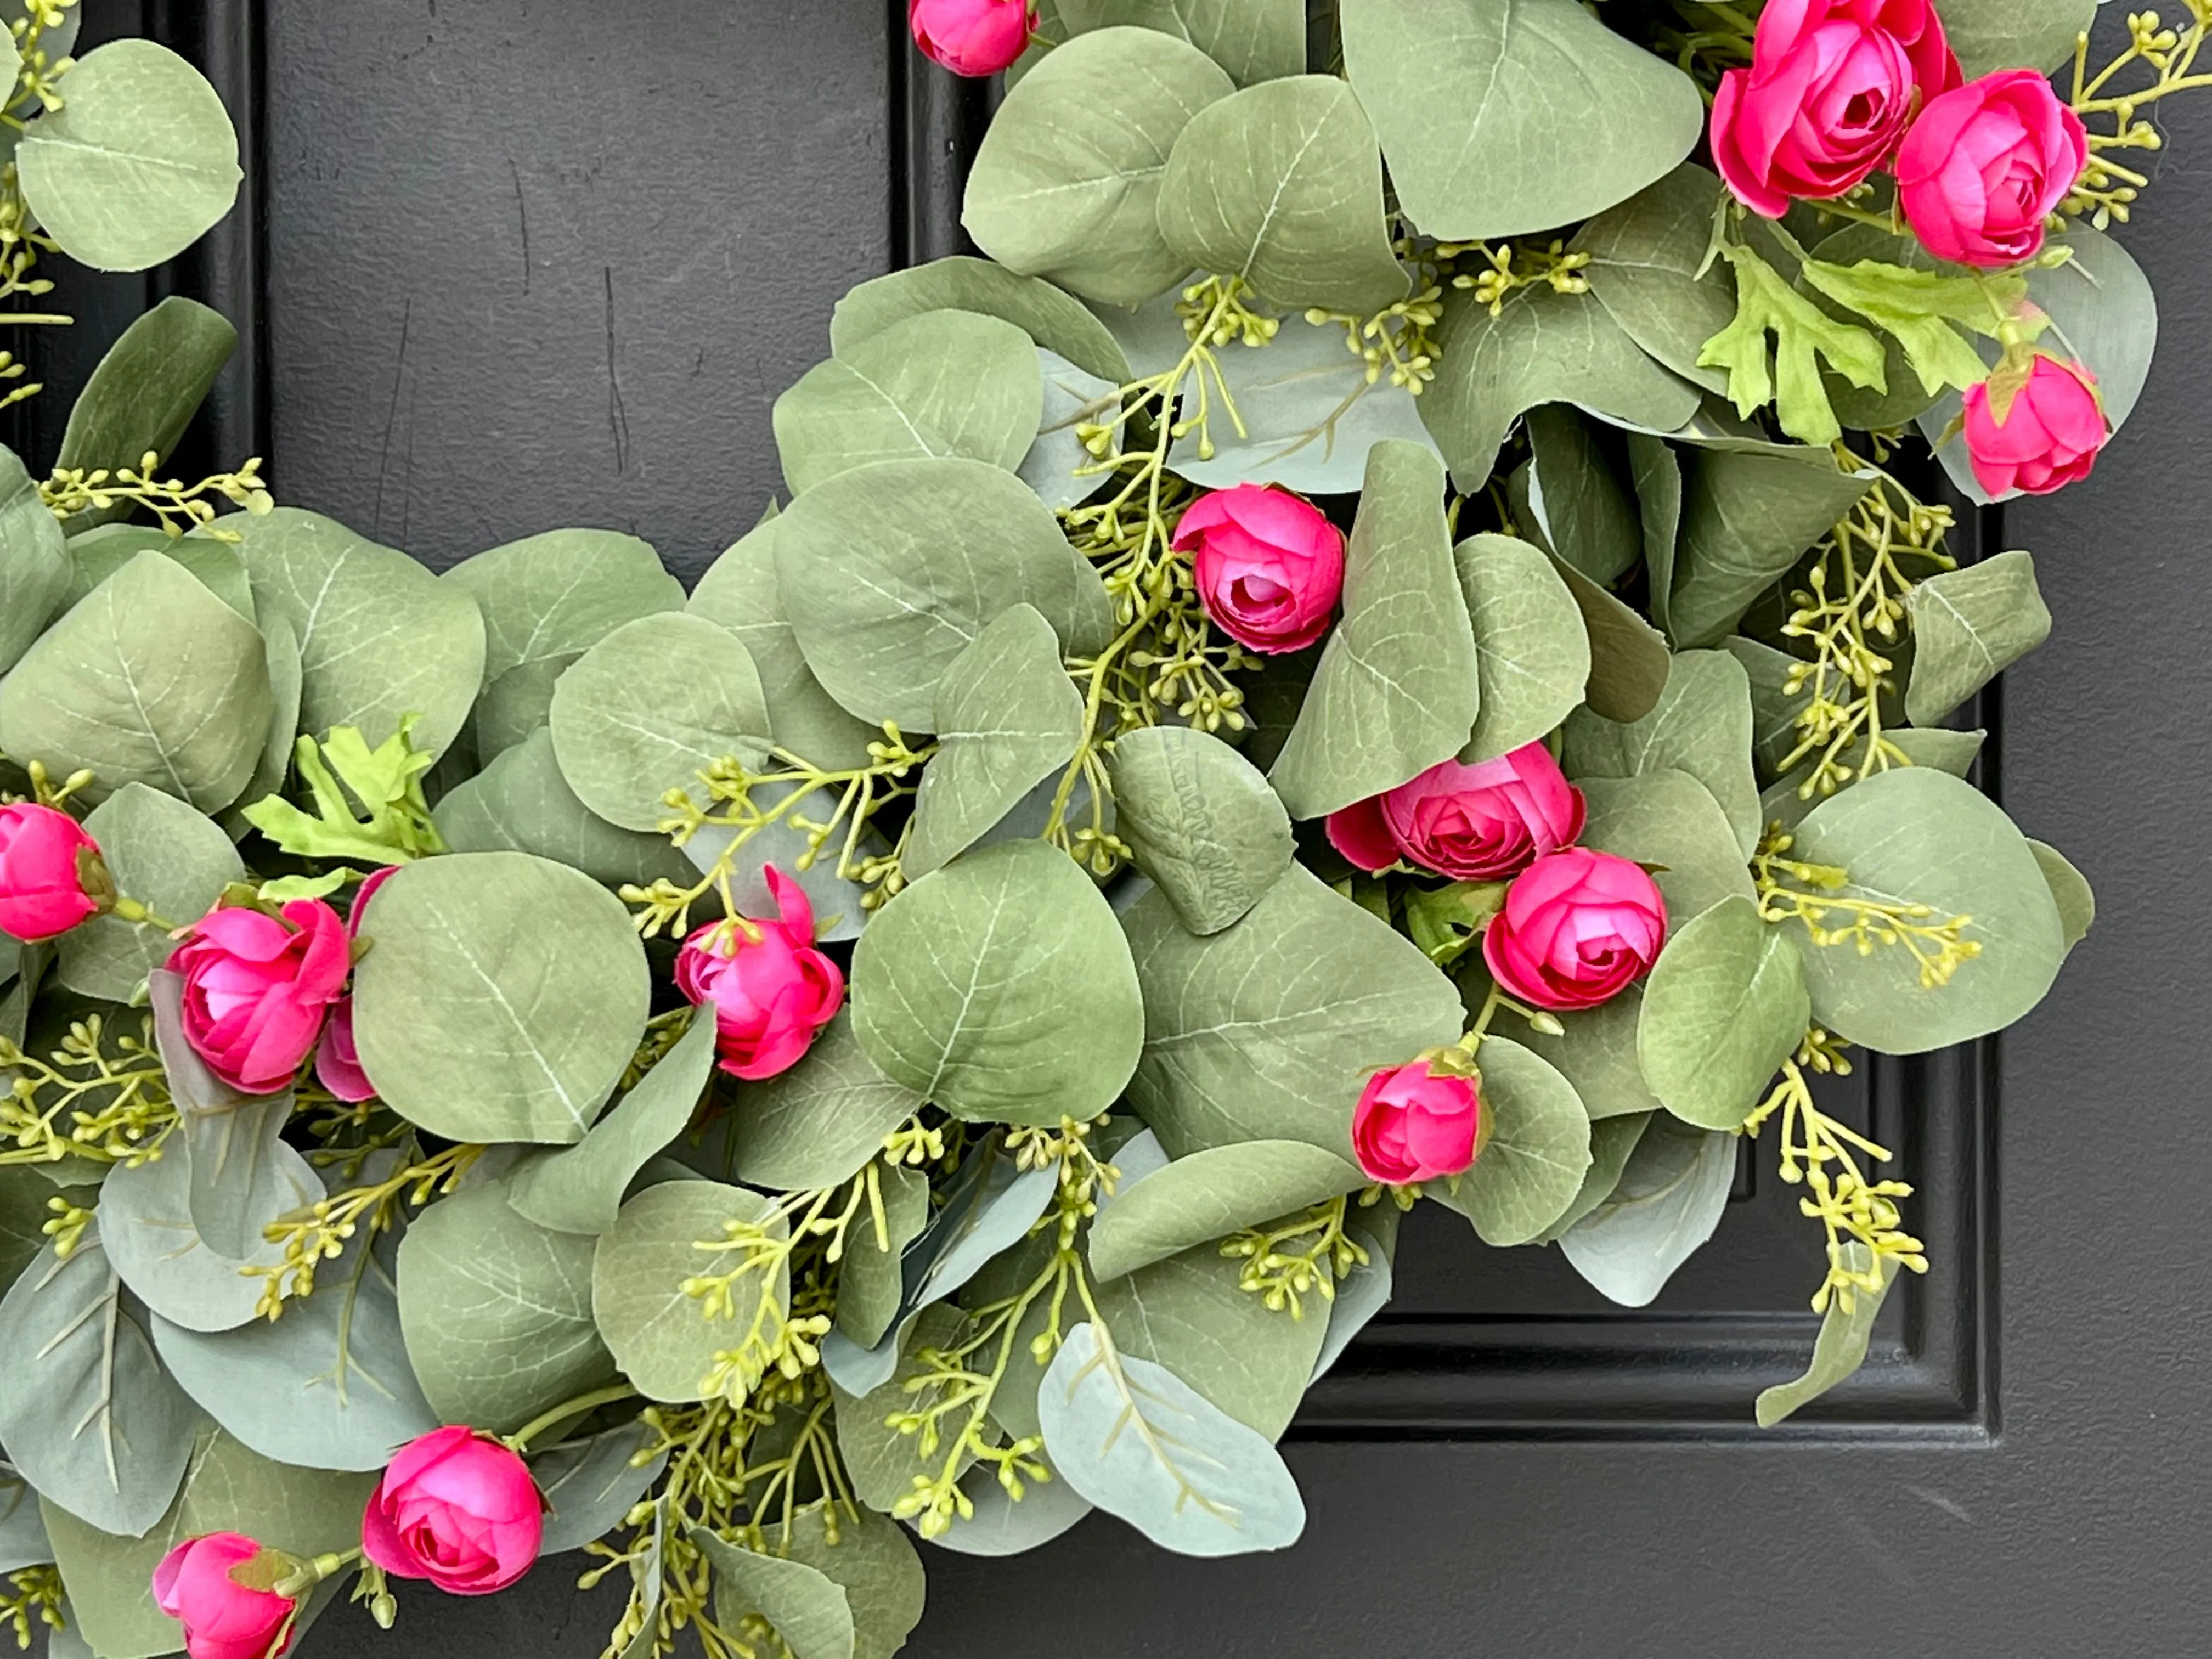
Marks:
<point>1647,266</point>
<point>98,553</point>
<point>1536,1148</point>
<point>1841,1346</point>
<point>1629,659</point>
<point>35,561</point>
<point>1532,647</point>
<point>815,1125</point>
<point>870,1289</point>
<point>1805,336</point>
<point>172,859</point>
<point>1968,626</point>
<point>590,1486</point>
<point>1667,1203</point>
<point>146,1223</point>
<point>516,704</point>
<point>1746,518</point>
<point>1211,1195</point>
<point>1998,34</point>
<point>1724,1007</point>
<point>1253,39</point>
<point>1612,1140</point>
<point>1670,821</point>
<point>1701,724</point>
<point>2069,891</point>
<point>1201,822</point>
<point>1058,465</point>
<point>809,1610</point>
<point>1580,510</point>
<point>561,592</point>
<point>663,1338</point>
<point>1055,320</point>
<point>521,802</point>
<point>1594,1050</point>
<point>144,392</point>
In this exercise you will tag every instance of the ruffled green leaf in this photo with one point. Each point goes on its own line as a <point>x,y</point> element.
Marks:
<point>1804,337</point>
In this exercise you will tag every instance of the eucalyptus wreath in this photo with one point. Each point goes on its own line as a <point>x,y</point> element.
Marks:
<point>1392,641</point>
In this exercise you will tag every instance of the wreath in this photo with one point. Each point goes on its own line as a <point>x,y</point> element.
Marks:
<point>1393,641</point>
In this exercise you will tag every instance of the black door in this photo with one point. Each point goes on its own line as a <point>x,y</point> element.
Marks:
<point>505,264</point>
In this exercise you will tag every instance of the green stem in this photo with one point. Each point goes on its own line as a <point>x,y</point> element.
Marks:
<point>520,1439</point>
<point>129,909</point>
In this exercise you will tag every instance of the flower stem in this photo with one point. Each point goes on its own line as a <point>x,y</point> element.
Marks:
<point>520,1439</point>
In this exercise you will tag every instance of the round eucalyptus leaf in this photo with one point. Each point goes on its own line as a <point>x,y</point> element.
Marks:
<point>1670,821</point>
<point>664,1339</point>
<point>816,1124</point>
<point>146,1222</point>
<point>1724,1006</point>
<point>516,704</point>
<point>2069,891</point>
<point>590,1486</point>
<point>1255,40</point>
<point>1532,648</point>
<point>521,803</point>
<point>100,552</point>
<point>1596,1051</point>
<point>1701,724</point>
<point>1536,1148</point>
<point>1666,1204</point>
<point>1055,320</point>
<point>1211,1195</point>
<point>1746,518</point>
<point>1968,626</point>
<point>143,393</point>
<point>35,567</point>
<point>810,1610</point>
<point>871,1561</point>
<point>1998,34</point>
<point>1646,255</point>
<point>173,859</point>
<point>561,592</point>
<point>1201,822</point>
<point>1612,1140</point>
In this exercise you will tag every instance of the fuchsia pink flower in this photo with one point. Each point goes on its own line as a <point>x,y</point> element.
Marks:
<point>46,866</point>
<point>222,1618</point>
<point>1578,927</point>
<point>337,1061</point>
<point>971,37</point>
<point>1481,822</point>
<point>2043,437</point>
<point>1413,1123</point>
<point>1268,565</point>
<point>457,1508</point>
<point>258,989</point>
<point>771,990</point>
<point>1986,164</point>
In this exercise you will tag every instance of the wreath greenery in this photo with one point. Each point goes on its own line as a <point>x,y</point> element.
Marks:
<point>1387,643</point>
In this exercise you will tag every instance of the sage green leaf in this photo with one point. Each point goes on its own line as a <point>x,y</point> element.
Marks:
<point>1281,184</point>
<point>502,1000</point>
<point>1724,1006</point>
<point>1058,465</point>
<point>1996,35</point>
<point>888,572</point>
<point>1211,1195</point>
<point>1000,989</point>
<point>1541,347</point>
<point>1581,510</point>
<point>1000,1525</point>
<point>2069,891</point>
<point>328,1386</point>
<point>1361,1294</point>
<point>816,1124</point>
<point>137,164</point>
<point>882,1462</point>
<point>152,680</point>
<point>590,1486</point>
<point>1143,1444</point>
<point>1968,626</point>
<point>1954,752</point>
<point>144,392</point>
<point>809,1610</point>
<point>1841,1347</point>
<point>35,561</point>
<point>1268,1030</point>
<point>100,552</point>
<point>647,1573</point>
<point>1669,821</point>
<point>23,1217</point>
<point>1629,659</point>
<point>497,1310</point>
<point>1505,116</point>
<point>869,1284</point>
<point>89,1416</point>
<point>521,803</point>
<point>515,705</point>
<point>379,637</point>
<point>243,1174</point>
<point>1596,1051</point>
<point>1532,647</point>
<point>1397,688</point>
<point>1648,268</point>
<point>1666,1204</point>
<point>146,1223</point>
<point>1536,1148</point>
<point>1007,717</point>
<point>664,1339</point>
<point>1915,835</point>
<point>560,593</point>
<point>1774,706</point>
<point>173,859</point>
<point>873,1562</point>
<point>1055,320</point>
<point>942,383</point>
<point>1657,477</point>
<point>1745,520</point>
<point>1701,724</point>
<point>1612,1140</point>
<point>1199,821</point>
<point>280,652</point>
<point>1253,39</point>
<point>1068,182</point>
<point>23,1541</point>
<point>578,1188</point>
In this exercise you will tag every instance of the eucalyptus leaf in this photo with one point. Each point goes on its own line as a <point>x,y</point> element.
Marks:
<point>1969,625</point>
<point>1360,1295</point>
<point>1670,821</point>
<point>590,1486</point>
<point>171,858</point>
<point>996,1525</point>
<point>1201,821</point>
<point>1581,510</point>
<point>23,1541</point>
<point>870,1560</point>
<point>1532,647</point>
<point>146,1223</point>
<point>1666,1204</point>
<point>1613,1140</point>
<point>1629,659</point>
<point>818,1123</point>
<point>1701,724</point>
<point>883,1463</point>
<point>1724,1006</point>
<point>1594,1050</point>
<point>521,802</point>
<point>560,593</point>
<point>1054,319</point>
<point>1841,1347</point>
<point>665,1339</point>
<point>1253,39</point>
<point>870,1286</point>
<point>1058,465</point>
<point>280,652</point>
<point>1657,477</point>
<point>2069,891</point>
<point>1211,1195</point>
<point>1997,34</point>
<point>1946,750</point>
<point>1746,518</point>
<point>1536,1149</point>
<point>514,705</point>
<point>144,392</point>
<point>1648,268</point>
<point>809,1610</point>
<point>35,561</point>
<point>98,553</point>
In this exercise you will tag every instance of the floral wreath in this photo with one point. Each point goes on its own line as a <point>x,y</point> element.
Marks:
<point>1366,654</point>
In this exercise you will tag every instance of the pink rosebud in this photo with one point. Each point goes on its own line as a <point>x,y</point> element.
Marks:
<point>1832,87</point>
<point>1415,1124</point>
<point>1479,823</point>
<point>1268,565</point>
<point>45,870</point>
<point>256,990</point>
<point>337,1060</point>
<point>772,991</point>
<point>222,1618</point>
<point>1577,928</point>
<point>457,1508</point>
<point>1985,164</point>
<point>971,37</point>
<point>2046,438</point>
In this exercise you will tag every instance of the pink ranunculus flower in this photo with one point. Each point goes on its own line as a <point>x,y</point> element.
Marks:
<point>1578,927</point>
<point>1415,1123</point>
<point>1268,565</point>
<point>457,1508</point>
<point>971,37</point>
<point>1832,86</point>
<point>222,1618</point>
<point>47,870</point>
<point>2046,437</point>
<point>1985,165</point>
<point>771,990</point>
<point>337,1060</point>
<point>258,989</point>
<point>1479,823</point>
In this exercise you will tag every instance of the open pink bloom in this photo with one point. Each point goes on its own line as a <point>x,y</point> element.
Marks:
<point>258,989</point>
<point>772,991</point>
<point>1268,564</point>
<point>1479,823</point>
<point>2046,439</point>
<point>1414,1124</point>
<point>1832,86</point>
<point>42,854</point>
<point>1578,927</point>
<point>222,1618</point>
<point>1985,164</point>
<point>337,1061</point>
<point>971,37</point>
<point>457,1508</point>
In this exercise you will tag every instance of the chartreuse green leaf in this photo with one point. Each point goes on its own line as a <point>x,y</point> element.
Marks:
<point>1055,320</point>
<point>1629,659</point>
<point>1532,647</point>
<point>942,383</point>
<point>1914,836</point>
<point>1536,1148</point>
<point>100,552</point>
<point>560,593</point>
<point>1841,1347</point>
<point>1201,822</point>
<point>521,802</point>
<point>1253,39</point>
<point>871,1562</point>
<point>815,1125</point>
<point>168,856</point>
<point>144,392</point>
<point>1647,266</point>
<point>1504,116</point>
<point>649,708</point>
<point>1281,184</point>
<point>1397,688</point>
<point>34,561</point>
<point>379,816</point>
<point>1917,308</point>
<point>1613,1140</point>
<point>380,637</point>
<point>890,572</point>
<point>1578,508</point>
<point>1702,725</point>
<point>809,1610</point>
<point>2069,891</point>
<point>1969,626</point>
<point>503,997</point>
<point>1746,518</point>
<point>1666,1204</point>
<point>664,1339</point>
<point>1594,1050</point>
<point>589,1485</point>
<point>1066,184</point>
<point>1210,1194</point>
<point>497,1311</point>
<point>1001,988</point>
<point>1007,718</point>
<point>1725,1006</point>
<point>1804,337</point>
<point>1995,34</point>
<point>1669,821</point>
<point>139,162</point>
<point>1268,1030</point>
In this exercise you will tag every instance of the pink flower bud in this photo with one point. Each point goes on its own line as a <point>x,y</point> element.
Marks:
<point>457,1508</point>
<point>1985,164</point>
<point>43,878</point>
<point>771,990</point>
<point>1471,822</point>
<point>222,1618</point>
<point>1268,565</point>
<point>2048,435</point>
<point>1577,928</point>
<point>1415,1124</point>
<point>256,990</point>
<point>971,37</point>
<point>337,1061</point>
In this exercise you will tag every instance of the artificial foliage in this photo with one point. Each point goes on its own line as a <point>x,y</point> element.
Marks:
<point>1391,641</point>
